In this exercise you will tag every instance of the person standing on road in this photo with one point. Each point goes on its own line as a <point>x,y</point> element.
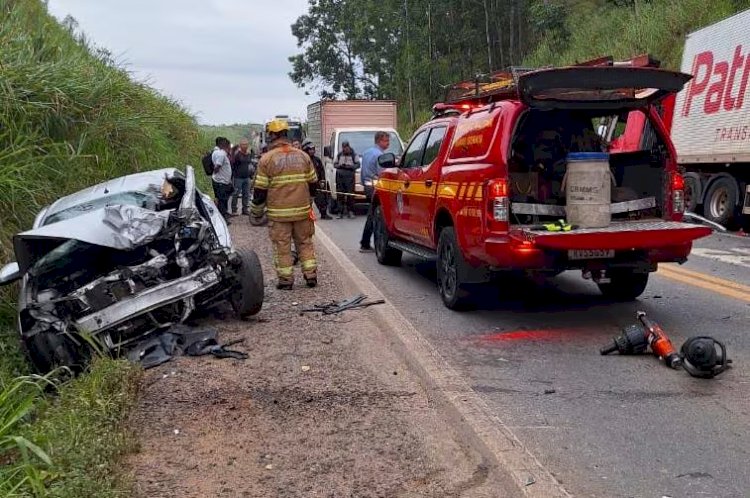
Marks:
<point>346,164</point>
<point>222,177</point>
<point>370,172</point>
<point>321,198</point>
<point>296,144</point>
<point>242,172</point>
<point>284,184</point>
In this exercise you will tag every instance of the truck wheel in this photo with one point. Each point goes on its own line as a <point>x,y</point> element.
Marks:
<point>625,285</point>
<point>49,350</point>
<point>451,268</point>
<point>386,255</point>
<point>721,200</point>
<point>247,299</point>
<point>693,191</point>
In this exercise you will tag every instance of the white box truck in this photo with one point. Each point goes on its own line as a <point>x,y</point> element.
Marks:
<point>711,120</point>
<point>332,122</point>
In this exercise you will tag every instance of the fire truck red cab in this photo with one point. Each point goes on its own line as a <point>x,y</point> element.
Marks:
<point>479,189</point>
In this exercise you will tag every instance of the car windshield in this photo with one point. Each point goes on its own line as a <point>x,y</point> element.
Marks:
<point>140,199</point>
<point>360,141</point>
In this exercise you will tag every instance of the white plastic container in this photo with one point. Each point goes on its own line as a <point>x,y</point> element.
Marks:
<point>588,189</point>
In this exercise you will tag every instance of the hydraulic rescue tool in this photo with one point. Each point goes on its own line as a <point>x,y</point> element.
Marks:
<point>634,339</point>
<point>659,342</point>
<point>701,358</point>
<point>631,341</point>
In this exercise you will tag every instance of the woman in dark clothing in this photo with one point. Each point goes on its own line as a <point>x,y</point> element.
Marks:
<point>346,164</point>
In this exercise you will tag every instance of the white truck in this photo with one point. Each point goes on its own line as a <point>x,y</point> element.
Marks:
<point>711,121</point>
<point>332,122</point>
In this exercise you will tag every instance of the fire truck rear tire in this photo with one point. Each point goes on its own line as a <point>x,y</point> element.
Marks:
<point>451,272</point>
<point>625,285</point>
<point>386,255</point>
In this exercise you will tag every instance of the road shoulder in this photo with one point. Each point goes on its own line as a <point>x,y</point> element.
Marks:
<point>323,406</point>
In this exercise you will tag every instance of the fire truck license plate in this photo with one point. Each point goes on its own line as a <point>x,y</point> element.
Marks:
<point>591,254</point>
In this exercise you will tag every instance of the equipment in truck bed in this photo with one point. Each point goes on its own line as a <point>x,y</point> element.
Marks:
<point>503,85</point>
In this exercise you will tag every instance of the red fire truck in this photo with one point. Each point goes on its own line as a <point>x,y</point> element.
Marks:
<point>479,189</point>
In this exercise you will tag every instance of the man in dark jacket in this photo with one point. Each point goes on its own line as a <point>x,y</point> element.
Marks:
<point>242,172</point>
<point>346,165</point>
<point>321,198</point>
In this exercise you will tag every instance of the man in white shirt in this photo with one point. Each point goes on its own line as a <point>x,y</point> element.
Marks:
<point>222,177</point>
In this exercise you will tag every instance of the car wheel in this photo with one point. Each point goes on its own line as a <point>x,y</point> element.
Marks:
<point>386,255</point>
<point>624,285</point>
<point>450,272</point>
<point>50,350</point>
<point>721,200</point>
<point>247,300</point>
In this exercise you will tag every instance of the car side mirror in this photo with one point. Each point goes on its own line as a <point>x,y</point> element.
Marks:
<point>327,152</point>
<point>9,273</point>
<point>387,160</point>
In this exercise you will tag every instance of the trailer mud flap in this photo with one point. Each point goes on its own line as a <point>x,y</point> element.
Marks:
<point>626,235</point>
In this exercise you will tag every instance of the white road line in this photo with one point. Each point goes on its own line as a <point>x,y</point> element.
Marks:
<point>739,256</point>
<point>469,413</point>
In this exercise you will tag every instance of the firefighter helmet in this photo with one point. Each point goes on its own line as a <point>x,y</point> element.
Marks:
<point>277,126</point>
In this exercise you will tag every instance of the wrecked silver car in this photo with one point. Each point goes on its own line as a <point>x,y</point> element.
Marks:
<point>111,264</point>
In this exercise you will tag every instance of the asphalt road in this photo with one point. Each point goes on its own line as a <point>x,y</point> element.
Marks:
<point>603,425</point>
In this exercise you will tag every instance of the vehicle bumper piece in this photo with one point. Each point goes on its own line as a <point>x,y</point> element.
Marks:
<point>149,300</point>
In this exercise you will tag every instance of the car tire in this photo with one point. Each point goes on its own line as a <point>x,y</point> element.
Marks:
<point>247,300</point>
<point>386,255</point>
<point>720,202</point>
<point>50,350</point>
<point>624,285</point>
<point>451,270</point>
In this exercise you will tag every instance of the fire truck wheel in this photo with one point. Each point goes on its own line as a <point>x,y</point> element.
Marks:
<point>451,271</point>
<point>721,200</point>
<point>625,285</point>
<point>386,255</point>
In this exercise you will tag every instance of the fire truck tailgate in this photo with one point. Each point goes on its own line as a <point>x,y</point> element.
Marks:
<point>620,235</point>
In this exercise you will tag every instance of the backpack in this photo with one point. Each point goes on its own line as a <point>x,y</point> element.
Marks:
<point>208,163</point>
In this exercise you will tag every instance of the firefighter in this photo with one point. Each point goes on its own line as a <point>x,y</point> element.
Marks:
<point>284,184</point>
<point>321,198</point>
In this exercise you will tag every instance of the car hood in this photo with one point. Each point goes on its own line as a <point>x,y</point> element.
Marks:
<point>119,227</point>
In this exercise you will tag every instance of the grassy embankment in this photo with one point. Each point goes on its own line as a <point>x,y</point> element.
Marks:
<point>658,27</point>
<point>233,132</point>
<point>68,118</point>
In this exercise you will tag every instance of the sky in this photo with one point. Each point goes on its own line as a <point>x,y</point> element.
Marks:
<point>225,60</point>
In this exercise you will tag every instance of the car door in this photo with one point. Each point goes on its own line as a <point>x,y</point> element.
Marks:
<point>412,158</point>
<point>422,189</point>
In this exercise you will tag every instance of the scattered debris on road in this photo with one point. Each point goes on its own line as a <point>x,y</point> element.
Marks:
<point>338,307</point>
<point>182,340</point>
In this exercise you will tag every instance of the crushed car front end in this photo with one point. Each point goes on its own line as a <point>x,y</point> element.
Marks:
<point>107,273</point>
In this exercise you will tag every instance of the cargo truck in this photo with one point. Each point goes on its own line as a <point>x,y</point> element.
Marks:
<point>709,121</point>
<point>332,122</point>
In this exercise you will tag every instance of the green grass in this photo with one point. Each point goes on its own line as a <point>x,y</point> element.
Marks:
<point>70,118</point>
<point>658,27</point>
<point>234,132</point>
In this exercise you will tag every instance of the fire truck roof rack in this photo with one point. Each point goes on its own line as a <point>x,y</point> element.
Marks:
<point>503,85</point>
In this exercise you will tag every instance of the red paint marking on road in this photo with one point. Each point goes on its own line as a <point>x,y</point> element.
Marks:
<point>524,335</point>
